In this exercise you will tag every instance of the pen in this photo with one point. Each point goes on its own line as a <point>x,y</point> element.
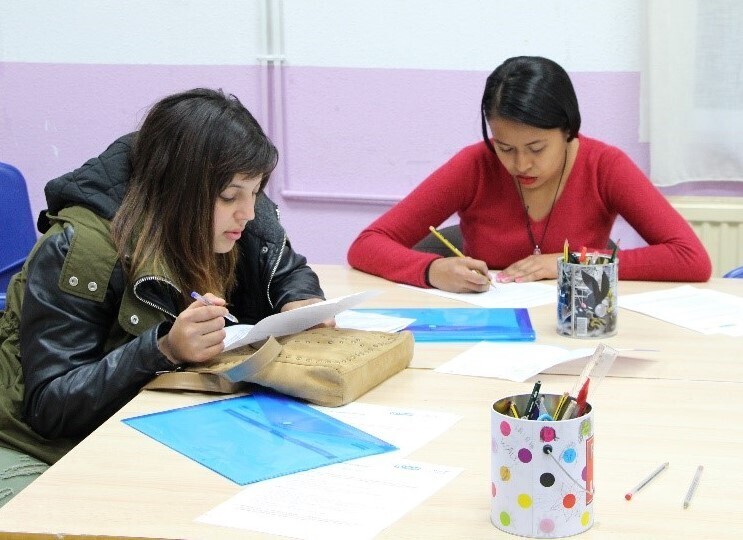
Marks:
<point>614,251</point>
<point>693,486</point>
<point>646,481</point>
<point>532,403</point>
<point>454,250</point>
<point>197,296</point>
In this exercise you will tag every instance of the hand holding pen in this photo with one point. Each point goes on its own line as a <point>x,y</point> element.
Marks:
<point>206,302</point>
<point>197,334</point>
<point>446,273</point>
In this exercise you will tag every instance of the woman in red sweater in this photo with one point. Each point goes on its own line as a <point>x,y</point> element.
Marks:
<point>520,194</point>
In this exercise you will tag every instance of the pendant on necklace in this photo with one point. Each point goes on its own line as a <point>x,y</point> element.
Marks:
<point>537,251</point>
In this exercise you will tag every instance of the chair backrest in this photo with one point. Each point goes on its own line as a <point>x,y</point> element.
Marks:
<point>431,244</point>
<point>17,230</point>
<point>735,273</point>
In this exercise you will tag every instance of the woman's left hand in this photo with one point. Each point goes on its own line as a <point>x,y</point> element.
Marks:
<point>299,303</point>
<point>532,268</point>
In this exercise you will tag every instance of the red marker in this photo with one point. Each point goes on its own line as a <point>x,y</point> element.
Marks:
<point>582,397</point>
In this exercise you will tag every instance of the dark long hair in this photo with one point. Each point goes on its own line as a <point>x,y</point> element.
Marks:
<point>187,151</point>
<point>532,90</point>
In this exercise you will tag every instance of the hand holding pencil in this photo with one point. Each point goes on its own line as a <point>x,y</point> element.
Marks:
<point>459,273</point>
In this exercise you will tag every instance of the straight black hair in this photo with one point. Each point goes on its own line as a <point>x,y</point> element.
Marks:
<point>531,90</point>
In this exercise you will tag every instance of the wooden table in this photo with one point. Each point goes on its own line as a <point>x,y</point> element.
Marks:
<point>683,354</point>
<point>677,408</point>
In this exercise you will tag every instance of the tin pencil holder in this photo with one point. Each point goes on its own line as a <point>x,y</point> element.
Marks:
<point>587,304</point>
<point>541,472</point>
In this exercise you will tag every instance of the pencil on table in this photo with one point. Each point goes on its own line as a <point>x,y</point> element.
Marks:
<point>646,481</point>
<point>693,486</point>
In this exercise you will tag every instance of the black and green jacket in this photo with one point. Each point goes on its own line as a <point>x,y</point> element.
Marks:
<point>77,341</point>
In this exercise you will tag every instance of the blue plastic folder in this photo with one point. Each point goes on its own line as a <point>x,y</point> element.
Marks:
<point>252,438</point>
<point>465,324</point>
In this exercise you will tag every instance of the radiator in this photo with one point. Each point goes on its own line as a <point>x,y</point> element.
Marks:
<point>718,221</point>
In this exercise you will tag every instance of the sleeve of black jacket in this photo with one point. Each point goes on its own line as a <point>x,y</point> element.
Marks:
<point>71,384</point>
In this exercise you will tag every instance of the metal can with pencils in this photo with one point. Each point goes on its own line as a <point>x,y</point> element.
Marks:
<point>587,303</point>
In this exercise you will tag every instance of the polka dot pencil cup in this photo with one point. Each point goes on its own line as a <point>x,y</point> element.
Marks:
<point>541,471</point>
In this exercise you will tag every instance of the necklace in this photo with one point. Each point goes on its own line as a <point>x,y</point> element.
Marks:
<point>537,250</point>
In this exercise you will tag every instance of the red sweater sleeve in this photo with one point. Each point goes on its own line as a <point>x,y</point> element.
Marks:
<point>384,248</point>
<point>674,252</point>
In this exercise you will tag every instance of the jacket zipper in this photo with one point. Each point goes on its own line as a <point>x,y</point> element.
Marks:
<point>152,304</point>
<point>275,266</point>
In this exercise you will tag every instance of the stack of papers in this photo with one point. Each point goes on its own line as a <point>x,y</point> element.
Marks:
<point>512,361</point>
<point>366,320</point>
<point>356,499</point>
<point>503,295</point>
<point>702,310</point>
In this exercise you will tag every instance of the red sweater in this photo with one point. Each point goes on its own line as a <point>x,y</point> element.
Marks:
<point>603,183</point>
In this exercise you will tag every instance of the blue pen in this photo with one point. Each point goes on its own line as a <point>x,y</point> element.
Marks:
<point>197,296</point>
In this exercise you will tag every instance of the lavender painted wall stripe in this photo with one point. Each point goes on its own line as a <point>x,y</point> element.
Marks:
<point>343,133</point>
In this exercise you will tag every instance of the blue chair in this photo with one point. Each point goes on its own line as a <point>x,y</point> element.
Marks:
<point>735,273</point>
<point>17,230</point>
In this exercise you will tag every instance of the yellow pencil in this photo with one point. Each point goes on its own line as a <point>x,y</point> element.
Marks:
<point>454,250</point>
<point>446,242</point>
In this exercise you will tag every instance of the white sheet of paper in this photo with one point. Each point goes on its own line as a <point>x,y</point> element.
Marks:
<point>355,499</point>
<point>512,361</point>
<point>702,310</point>
<point>505,295</point>
<point>408,429</point>
<point>292,321</point>
<point>371,321</point>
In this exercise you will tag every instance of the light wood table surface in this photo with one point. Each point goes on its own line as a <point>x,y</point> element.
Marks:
<point>682,354</point>
<point>678,408</point>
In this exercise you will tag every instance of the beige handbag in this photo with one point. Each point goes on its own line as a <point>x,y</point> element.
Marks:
<point>325,366</point>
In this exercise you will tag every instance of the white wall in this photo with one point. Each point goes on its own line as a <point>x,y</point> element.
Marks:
<point>583,35</point>
<point>132,31</point>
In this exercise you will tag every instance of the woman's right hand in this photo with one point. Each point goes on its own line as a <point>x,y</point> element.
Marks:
<point>459,275</point>
<point>197,335</point>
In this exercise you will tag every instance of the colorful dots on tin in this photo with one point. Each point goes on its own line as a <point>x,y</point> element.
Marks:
<point>568,501</point>
<point>569,455</point>
<point>547,479</point>
<point>505,473</point>
<point>547,434</point>
<point>505,429</point>
<point>524,455</point>
<point>505,519</point>
<point>547,525</point>
<point>524,500</point>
